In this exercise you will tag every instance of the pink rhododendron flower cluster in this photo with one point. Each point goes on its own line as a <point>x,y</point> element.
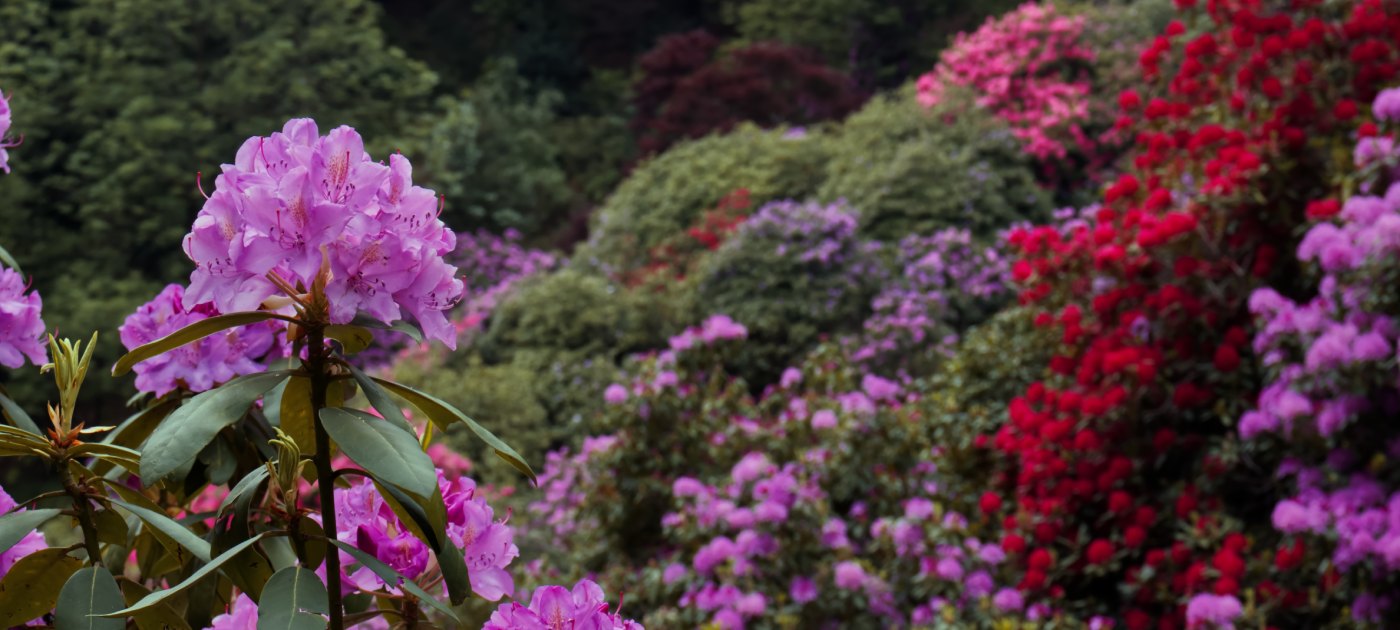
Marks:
<point>29,543</point>
<point>364,519</point>
<point>197,366</point>
<point>558,608</point>
<point>1016,67</point>
<point>292,197</point>
<point>21,322</point>
<point>5,143</point>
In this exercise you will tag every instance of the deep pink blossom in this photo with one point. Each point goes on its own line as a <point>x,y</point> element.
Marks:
<point>558,608</point>
<point>21,324</point>
<point>5,143</point>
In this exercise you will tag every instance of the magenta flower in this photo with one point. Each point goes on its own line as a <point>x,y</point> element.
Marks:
<point>1386,107</point>
<point>198,366</point>
<point>615,394</point>
<point>803,589</point>
<point>558,608</point>
<point>5,143</point>
<point>291,196</point>
<point>30,543</point>
<point>1008,600</point>
<point>242,615</point>
<point>1212,612</point>
<point>21,327</point>
<point>849,576</point>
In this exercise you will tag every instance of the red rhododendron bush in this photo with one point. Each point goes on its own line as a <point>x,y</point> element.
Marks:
<point>1125,487</point>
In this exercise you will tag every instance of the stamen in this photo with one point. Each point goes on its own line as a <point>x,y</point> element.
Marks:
<point>199,183</point>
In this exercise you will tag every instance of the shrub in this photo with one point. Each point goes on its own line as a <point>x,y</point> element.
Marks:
<point>668,193</point>
<point>765,83</point>
<point>791,273</point>
<point>910,171</point>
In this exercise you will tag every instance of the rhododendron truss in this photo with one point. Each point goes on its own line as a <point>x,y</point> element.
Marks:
<point>5,142</point>
<point>1128,453</point>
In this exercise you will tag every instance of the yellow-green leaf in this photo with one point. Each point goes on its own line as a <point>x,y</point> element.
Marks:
<point>31,587</point>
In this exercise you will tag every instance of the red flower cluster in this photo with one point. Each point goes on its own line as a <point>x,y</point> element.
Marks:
<point>673,258</point>
<point>1116,467</point>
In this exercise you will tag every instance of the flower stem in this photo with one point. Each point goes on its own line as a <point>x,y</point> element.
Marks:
<point>325,475</point>
<point>84,512</point>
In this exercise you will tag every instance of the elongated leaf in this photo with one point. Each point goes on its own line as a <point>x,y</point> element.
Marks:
<point>178,440</point>
<point>246,486</point>
<point>166,525</point>
<point>16,414</point>
<point>443,415</point>
<point>394,578</point>
<point>294,599</point>
<point>162,595</point>
<point>110,453</point>
<point>177,553</point>
<point>296,415</point>
<point>158,617</point>
<point>31,587</point>
<point>380,399</point>
<point>112,527</point>
<point>453,562</point>
<point>352,338</point>
<point>9,261</point>
<point>424,518</point>
<point>382,449</point>
<point>20,438</point>
<point>402,326</point>
<point>91,591</point>
<point>219,461</point>
<point>16,525</point>
<point>189,334</point>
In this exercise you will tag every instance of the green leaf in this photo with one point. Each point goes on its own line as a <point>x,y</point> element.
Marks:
<point>401,326</point>
<point>219,461</point>
<point>31,587</point>
<point>178,555</point>
<point>380,399</point>
<point>352,338</point>
<point>425,518</point>
<point>247,486</point>
<point>9,261</point>
<point>394,578</point>
<point>294,599</point>
<point>16,415</point>
<point>453,562</point>
<point>443,415</point>
<point>295,414</point>
<point>91,591</point>
<point>16,525</point>
<point>166,525</point>
<point>382,449</point>
<point>162,595</point>
<point>189,334</point>
<point>159,617</point>
<point>180,438</point>
<point>110,453</point>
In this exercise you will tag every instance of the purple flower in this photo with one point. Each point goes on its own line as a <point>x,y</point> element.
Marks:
<point>30,543</point>
<point>615,394</point>
<point>673,573</point>
<point>803,589</point>
<point>1386,107</point>
<point>292,198</point>
<point>1291,517</point>
<point>824,419</point>
<point>750,467</point>
<point>879,388</point>
<point>1008,600</point>
<point>720,327</point>
<point>949,569</point>
<point>242,615</point>
<point>558,608</point>
<point>713,554</point>
<point>687,487</point>
<point>979,584</point>
<point>1212,612</point>
<point>21,327</point>
<point>197,366</point>
<point>666,379</point>
<point>5,143</point>
<point>849,576</point>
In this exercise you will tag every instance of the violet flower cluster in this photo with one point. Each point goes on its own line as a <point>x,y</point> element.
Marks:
<point>292,198</point>
<point>365,520</point>
<point>1335,388</point>
<point>198,366</point>
<point>21,322</point>
<point>5,143</point>
<point>557,608</point>
<point>29,543</point>
<point>940,283</point>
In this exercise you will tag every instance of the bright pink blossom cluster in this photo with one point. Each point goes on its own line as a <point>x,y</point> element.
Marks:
<point>558,608</point>
<point>1022,67</point>
<point>5,144</point>
<point>21,323</point>
<point>197,366</point>
<point>292,198</point>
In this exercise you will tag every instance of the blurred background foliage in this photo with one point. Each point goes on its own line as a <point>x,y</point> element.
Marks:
<point>615,125</point>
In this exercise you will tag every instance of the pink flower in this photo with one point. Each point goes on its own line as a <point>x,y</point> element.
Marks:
<point>719,327</point>
<point>1212,612</point>
<point>803,589</point>
<point>5,143</point>
<point>197,366</point>
<point>824,419</point>
<point>558,608</point>
<point>615,394</point>
<point>242,615</point>
<point>292,197</point>
<point>849,576</point>
<point>21,327</point>
<point>1008,600</point>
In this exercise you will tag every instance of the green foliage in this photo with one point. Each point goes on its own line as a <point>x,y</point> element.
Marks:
<point>909,170</point>
<point>570,313</point>
<point>669,192</point>
<point>117,121</point>
<point>490,152</point>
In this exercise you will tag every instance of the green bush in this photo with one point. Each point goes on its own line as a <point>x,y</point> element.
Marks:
<point>669,192</point>
<point>491,153</point>
<point>909,170</point>
<point>571,313</point>
<point>791,273</point>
